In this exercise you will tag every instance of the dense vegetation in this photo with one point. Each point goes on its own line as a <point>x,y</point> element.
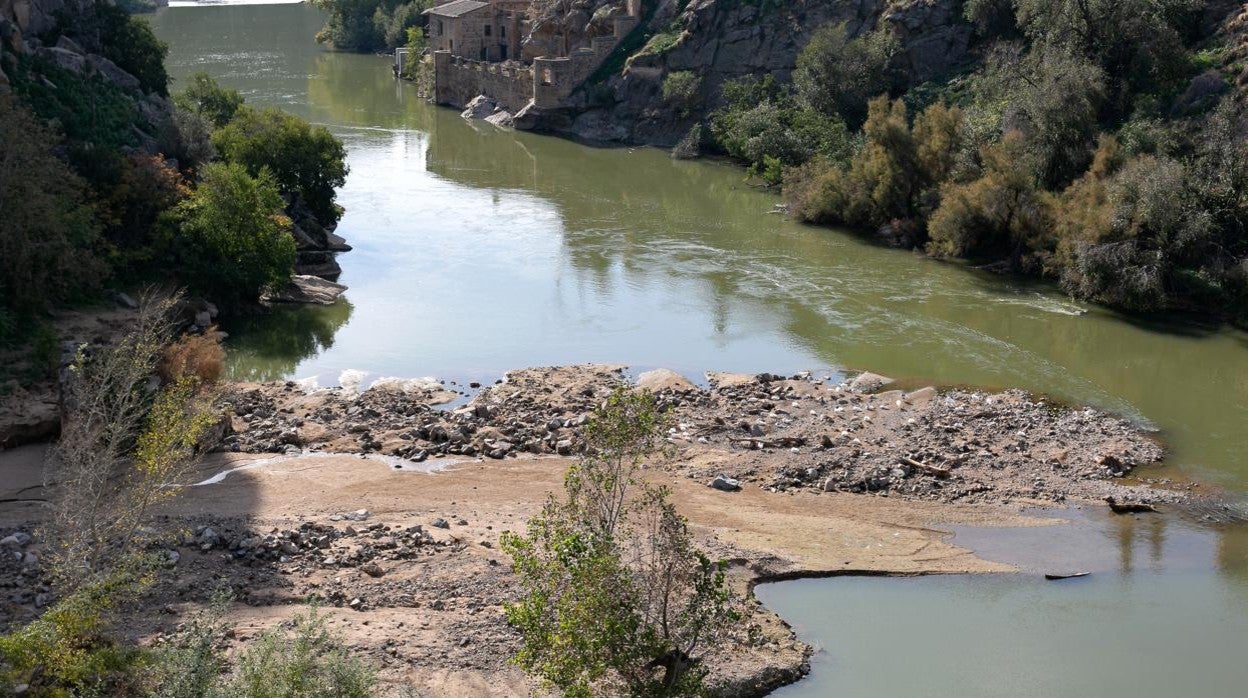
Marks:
<point>102,182</point>
<point>1095,142</point>
<point>369,25</point>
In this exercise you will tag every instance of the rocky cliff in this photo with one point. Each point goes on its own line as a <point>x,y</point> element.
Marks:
<point>720,40</point>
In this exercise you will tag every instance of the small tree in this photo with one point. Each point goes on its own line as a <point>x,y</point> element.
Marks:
<point>235,239</point>
<point>837,74</point>
<point>614,590</point>
<point>124,447</point>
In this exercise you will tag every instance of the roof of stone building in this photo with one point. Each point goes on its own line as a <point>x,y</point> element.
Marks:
<point>458,8</point>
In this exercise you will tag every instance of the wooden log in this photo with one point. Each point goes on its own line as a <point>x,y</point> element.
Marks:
<point>933,470</point>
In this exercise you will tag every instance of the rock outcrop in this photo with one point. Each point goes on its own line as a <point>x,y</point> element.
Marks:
<point>305,288</point>
<point>721,40</point>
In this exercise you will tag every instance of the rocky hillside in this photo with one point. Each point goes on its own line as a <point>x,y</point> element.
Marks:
<point>724,39</point>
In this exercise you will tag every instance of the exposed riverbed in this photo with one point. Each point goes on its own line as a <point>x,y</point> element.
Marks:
<point>478,250</point>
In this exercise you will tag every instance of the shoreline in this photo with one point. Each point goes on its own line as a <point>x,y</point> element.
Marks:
<point>419,571</point>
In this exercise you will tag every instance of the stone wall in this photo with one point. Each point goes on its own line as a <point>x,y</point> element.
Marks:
<point>548,83</point>
<point>459,80</point>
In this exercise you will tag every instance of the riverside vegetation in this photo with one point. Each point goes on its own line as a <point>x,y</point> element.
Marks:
<point>105,181</point>
<point>1099,144</point>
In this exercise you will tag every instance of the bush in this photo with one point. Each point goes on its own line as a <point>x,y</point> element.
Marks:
<point>304,160</point>
<point>682,89</point>
<point>307,660</point>
<point>837,74</point>
<point>49,244</point>
<point>206,97</point>
<point>1000,215</point>
<point>125,40</point>
<point>198,356</point>
<point>235,242</point>
<point>88,110</point>
<point>70,649</point>
<point>613,589</point>
<point>762,124</point>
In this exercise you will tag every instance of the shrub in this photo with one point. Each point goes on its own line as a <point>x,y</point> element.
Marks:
<point>304,160</point>
<point>198,356</point>
<point>88,110</point>
<point>49,247</point>
<point>682,89</point>
<point>761,123</point>
<point>1000,215</point>
<point>306,660</point>
<point>206,97</point>
<point>124,447</point>
<point>235,242</point>
<point>70,649</point>
<point>125,40</point>
<point>613,589</point>
<point>837,74</point>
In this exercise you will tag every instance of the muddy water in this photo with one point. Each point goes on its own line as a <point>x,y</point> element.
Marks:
<point>478,250</point>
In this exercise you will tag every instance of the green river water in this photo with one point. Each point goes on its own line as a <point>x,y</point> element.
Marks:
<point>479,250</point>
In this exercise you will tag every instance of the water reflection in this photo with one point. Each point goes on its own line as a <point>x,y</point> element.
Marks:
<point>283,336</point>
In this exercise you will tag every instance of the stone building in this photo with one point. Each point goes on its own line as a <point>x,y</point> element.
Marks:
<point>482,31</point>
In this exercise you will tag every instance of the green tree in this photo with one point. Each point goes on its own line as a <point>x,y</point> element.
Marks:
<point>837,74</point>
<point>49,242</point>
<point>614,592</point>
<point>235,242</point>
<point>1053,98</point>
<point>306,161</point>
<point>1138,43</point>
<point>206,97</point>
<point>127,41</point>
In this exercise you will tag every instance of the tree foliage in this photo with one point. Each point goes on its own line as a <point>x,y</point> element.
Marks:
<point>206,97</point>
<point>614,591</point>
<point>999,214</point>
<point>304,160</point>
<point>235,240</point>
<point>369,25</point>
<point>49,242</point>
<point>838,74</point>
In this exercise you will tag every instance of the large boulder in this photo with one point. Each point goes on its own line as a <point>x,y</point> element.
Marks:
<point>307,289</point>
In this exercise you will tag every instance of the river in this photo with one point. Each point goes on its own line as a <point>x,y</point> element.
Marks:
<point>479,250</point>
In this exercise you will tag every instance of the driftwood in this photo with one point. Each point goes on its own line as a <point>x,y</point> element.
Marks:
<point>781,442</point>
<point>934,470</point>
<point>1129,507</point>
<point>1069,575</point>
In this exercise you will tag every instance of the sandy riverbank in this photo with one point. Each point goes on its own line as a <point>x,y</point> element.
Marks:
<point>424,601</point>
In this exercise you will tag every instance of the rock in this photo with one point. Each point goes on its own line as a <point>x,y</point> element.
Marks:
<point>307,289</point>
<point>920,397</point>
<point>64,59</point>
<point>440,523</point>
<point>68,44</point>
<point>16,540</point>
<point>372,569</point>
<point>664,379</point>
<point>867,382</point>
<point>563,447</point>
<point>480,107</point>
<point>502,119</point>
<point>725,483</point>
<point>112,73</point>
<point>359,515</point>
<point>203,319</point>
